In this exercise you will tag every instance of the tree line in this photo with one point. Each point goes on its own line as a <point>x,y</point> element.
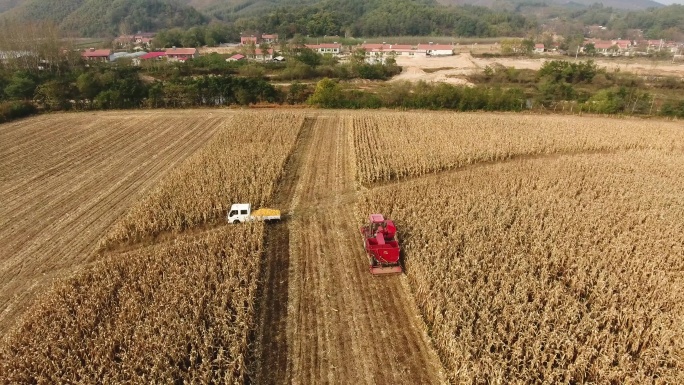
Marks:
<point>67,83</point>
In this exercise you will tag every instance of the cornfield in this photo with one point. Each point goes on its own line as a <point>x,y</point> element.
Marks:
<point>557,258</point>
<point>559,270</point>
<point>392,146</point>
<point>178,312</point>
<point>242,163</point>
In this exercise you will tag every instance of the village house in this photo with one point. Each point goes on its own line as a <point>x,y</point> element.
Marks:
<point>155,55</point>
<point>181,54</point>
<point>436,49</point>
<point>261,55</point>
<point>378,53</point>
<point>326,48</point>
<point>270,38</point>
<point>92,54</point>
<point>539,48</point>
<point>123,41</point>
<point>605,48</point>
<point>257,38</point>
<point>662,45</point>
<point>611,47</point>
<point>236,57</point>
<point>141,39</point>
<point>250,38</point>
<point>150,56</point>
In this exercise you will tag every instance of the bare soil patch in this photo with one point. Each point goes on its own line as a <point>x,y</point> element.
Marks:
<point>454,69</point>
<point>66,178</point>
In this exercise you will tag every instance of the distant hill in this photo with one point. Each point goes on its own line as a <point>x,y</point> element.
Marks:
<point>510,4</point>
<point>105,17</point>
<point>231,9</point>
<point>8,4</point>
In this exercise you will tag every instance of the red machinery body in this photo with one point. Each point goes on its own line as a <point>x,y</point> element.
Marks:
<point>381,245</point>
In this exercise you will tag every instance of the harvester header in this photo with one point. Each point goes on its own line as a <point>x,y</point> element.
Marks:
<point>381,245</point>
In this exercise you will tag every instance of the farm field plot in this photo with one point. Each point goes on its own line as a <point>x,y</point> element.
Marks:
<point>536,248</point>
<point>394,146</point>
<point>65,178</point>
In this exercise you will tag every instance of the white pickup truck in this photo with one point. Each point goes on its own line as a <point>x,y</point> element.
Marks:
<point>242,212</point>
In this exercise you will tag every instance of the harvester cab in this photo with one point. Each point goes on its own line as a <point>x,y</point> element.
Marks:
<point>381,245</point>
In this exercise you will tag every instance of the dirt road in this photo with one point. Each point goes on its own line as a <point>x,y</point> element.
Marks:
<point>342,324</point>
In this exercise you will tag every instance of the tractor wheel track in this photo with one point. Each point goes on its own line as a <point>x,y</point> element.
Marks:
<point>343,325</point>
<point>268,353</point>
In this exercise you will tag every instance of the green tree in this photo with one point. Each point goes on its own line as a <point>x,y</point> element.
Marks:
<point>194,37</point>
<point>590,49</point>
<point>297,93</point>
<point>155,95</point>
<point>328,94</point>
<point>308,57</point>
<point>21,86</point>
<point>54,95</point>
<point>88,86</point>
<point>263,48</point>
<point>358,56</point>
<point>527,45</point>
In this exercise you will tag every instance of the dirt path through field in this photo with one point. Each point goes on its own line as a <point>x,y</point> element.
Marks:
<point>343,325</point>
<point>268,358</point>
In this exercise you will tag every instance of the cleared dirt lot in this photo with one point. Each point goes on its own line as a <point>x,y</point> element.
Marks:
<point>454,69</point>
<point>65,178</point>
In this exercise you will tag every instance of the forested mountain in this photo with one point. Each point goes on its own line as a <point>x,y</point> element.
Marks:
<point>499,4</point>
<point>107,17</point>
<point>386,18</point>
<point>350,17</point>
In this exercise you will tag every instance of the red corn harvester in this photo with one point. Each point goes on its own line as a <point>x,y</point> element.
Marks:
<point>380,241</point>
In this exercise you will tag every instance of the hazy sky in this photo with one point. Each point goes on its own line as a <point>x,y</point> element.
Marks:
<point>668,2</point>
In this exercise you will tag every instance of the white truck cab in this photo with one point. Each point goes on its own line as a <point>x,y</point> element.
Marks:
<point>242,212</point>
<point>239,212</point>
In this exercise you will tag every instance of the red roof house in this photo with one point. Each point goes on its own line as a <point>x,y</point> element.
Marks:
<point>270,38</point>
<point>236,57</point>
<point>261,55</point>
<point>93,54</point>
<point>181,54</point>
<point>250,37</point>
<point>153,55</point>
